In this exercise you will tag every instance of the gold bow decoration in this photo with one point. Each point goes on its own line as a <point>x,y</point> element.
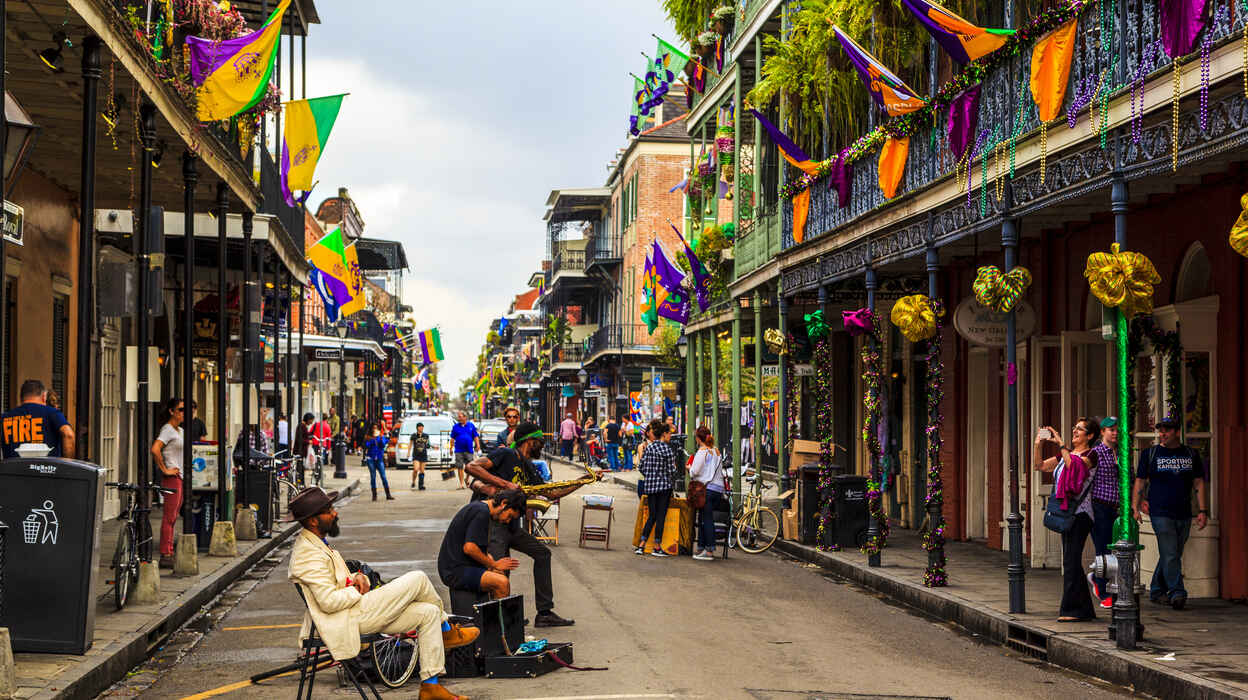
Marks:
<point>775,341</point>
<point>1123,279</point>
<point>1000,291</point>
<point>1239,232</point>
<point>915,317</point>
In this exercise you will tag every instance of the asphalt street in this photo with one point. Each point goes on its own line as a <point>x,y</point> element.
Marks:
<point>753,626</point>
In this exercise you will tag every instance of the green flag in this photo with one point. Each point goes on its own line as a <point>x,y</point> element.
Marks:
<point>670,58</point>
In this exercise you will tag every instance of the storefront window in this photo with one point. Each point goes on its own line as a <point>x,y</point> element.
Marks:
<point>1196,392</point>
<point>1146,398</point>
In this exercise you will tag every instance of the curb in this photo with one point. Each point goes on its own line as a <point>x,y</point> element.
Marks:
<point>96,675</point>
<point>1068,651</point>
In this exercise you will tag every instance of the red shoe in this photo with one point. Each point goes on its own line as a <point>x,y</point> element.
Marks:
<point>1107,603</point>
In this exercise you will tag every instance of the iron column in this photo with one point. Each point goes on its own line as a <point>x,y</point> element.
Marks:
<point>936,502</point>
<point>873,523</point>
<point>189,178</point>
<point>147,136</point>
<point>735,411</point>
<point>1015,571</point>
<point>757,303</point>
<point>782,399</point>
<point>223,331</point>
<point>245,306</point>
<point>83,396</point>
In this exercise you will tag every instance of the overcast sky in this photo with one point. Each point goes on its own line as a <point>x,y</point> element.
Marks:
<point>463,116</point>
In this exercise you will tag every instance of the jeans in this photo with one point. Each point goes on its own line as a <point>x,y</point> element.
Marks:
<point>657,504</point>
<point>613,456</point>
<point>1076,598</point>
<point>504,538</point>
<point>1171,536</point>
<point>706,533</point>
<point>565,449</point>
<point>628,456</point>
<point>1103,517</point>
<point>169,513</point>
<point>375,466</point>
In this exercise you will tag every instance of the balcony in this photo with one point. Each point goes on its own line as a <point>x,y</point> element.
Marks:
<point>1077,164</point>
<point>568,356</point>
<point>756,246</point>
<point>604,252</point>
<point>274,203</point>
<point>567,261</point>
<point>631,338</point>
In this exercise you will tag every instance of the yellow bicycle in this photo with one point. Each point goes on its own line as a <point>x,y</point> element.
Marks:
<point>756,526</point>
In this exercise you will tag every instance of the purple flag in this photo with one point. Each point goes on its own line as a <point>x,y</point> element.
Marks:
<point>1181,21</point>
<point>963,118</point>
<point>842,178</point>
<point>667,272</point>
<point>701,278</point>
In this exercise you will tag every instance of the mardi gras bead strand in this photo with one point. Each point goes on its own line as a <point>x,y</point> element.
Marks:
<point>1174,121</point>
<point>933,535</point>
<point>823,432</point>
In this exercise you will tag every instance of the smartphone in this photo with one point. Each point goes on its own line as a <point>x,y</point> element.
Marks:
<point>1045,433</point>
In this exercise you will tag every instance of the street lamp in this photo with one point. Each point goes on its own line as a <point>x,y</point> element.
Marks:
<point>583,376</point>
<point>682,346</point>
<point>340,446</point>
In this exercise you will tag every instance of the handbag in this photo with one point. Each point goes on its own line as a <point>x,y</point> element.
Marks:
<point>696,495</point>
<point>1059,519</point>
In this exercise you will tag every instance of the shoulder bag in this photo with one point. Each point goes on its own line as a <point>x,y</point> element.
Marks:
<point>1059,519</point>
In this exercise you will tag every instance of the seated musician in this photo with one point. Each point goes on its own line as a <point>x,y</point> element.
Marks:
<point>508,468</point>
<point>343,608</point>
<point>462,560</point>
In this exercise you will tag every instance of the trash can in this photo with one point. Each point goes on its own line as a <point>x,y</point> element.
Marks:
<point>52,507</point>
<point>204,511</point>
<point>851,510</point>
<point>807,503</point>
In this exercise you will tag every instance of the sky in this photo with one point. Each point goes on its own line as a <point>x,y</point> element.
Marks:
<point>462,117</point>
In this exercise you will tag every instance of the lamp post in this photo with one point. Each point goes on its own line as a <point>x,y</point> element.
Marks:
<point>340,447</point>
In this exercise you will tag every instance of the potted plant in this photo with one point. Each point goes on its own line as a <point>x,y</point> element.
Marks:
<point>704,45</point>
<point>722,19</point>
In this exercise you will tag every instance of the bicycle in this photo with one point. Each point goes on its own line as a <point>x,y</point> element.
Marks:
<point>126,555</point>
<point>756,526</point>
<point>286,476</point>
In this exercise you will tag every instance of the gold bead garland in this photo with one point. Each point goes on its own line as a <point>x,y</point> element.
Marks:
<point>1174,121</point>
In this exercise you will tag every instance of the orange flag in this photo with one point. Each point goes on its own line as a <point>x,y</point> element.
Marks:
<point>892,164</point>
<point>801,209</point>
<point>1050,70</point>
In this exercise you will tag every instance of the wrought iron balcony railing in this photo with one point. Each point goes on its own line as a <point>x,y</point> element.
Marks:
<point>274,203</point>
<point>1120,52</point>
<point>567,261</point>
<point>605,249</point>
<point>620,336</point>
<point>755,246</point>
<point>568,353</point>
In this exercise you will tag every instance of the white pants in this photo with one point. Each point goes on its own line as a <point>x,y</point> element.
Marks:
<point>408,603</point>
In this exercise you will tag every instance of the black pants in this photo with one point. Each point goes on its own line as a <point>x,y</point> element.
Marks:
<point>1076,598</point>
<point>657,504</point>
<point>504,538</point>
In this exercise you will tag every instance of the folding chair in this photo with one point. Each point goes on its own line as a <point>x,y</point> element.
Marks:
<point>540,521</point>
<point>597,533</point>
<point>310,658</point>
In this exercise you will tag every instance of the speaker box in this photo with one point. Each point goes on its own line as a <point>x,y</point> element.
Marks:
<point>257,484</point>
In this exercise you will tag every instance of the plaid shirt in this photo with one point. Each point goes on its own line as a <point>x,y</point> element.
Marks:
<point>658,467</point>
<point>1105,483</point>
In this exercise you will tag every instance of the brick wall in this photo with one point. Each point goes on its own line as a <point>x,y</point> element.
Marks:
<point>657,173</point>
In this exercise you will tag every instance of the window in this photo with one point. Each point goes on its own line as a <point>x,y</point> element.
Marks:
<point>60,345</point>
<point>1195,275</point>
<point>635,198</point>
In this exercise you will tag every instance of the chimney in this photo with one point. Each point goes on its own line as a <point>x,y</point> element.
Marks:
<point>342,193</point>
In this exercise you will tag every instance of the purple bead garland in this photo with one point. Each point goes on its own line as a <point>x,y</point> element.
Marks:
<point>872,371</point>
<point>823,432</point>
<point>1148,60</point>
<point>933,533</point>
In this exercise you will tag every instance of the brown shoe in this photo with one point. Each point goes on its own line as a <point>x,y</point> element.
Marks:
<point>437,691</point>
<point>166,562</point>
<point>459,636</point>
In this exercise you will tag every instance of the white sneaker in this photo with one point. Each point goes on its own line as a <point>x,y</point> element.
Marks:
<point>704,556</point>
<point>639,551</point>
<point>659,553</point>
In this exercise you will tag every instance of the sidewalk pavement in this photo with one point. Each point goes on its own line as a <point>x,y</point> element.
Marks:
<point>123,638</point>
<point>1199,652</point>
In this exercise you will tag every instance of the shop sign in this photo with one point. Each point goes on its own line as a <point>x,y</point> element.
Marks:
<point>591,393</point>
<point>804,370</point>
<point>13,223</point>
<point>771,370</point>
<point>327,354</point>
<point>981,325</point>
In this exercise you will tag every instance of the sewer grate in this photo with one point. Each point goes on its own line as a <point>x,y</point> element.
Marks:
<point>1025,641</point>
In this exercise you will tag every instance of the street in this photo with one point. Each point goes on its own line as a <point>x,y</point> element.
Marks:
<point>753,626</point>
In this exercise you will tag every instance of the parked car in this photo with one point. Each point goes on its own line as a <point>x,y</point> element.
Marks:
<point>441,448</point>
<point>489,430</point>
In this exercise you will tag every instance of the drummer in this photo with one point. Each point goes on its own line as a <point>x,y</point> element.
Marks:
<point>508,468</point>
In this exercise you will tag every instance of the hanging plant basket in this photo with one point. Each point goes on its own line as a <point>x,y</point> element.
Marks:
<point>722,19</point>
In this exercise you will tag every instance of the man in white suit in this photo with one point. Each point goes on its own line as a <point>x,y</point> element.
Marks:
<point>343,608</point>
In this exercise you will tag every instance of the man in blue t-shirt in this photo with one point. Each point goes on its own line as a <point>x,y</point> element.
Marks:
<point>467,439</point>
<point>36,421</point>
<point>1171,470</point>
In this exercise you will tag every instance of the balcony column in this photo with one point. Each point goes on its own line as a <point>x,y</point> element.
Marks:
<point>935,505</point>
<point>782,398</point>
<point>873,524</point>
<point>712,334</point>
<point>250,278</point>
<point>1015,572</point>
<point>301,368</point>
<point>756,302</point>
<point>691,382</point>
<point>190,176</point>
<point>290,396</point>
<point>734,411</point>
<point>83,396</point>
<point>223,331</point>
<point>143,263</point>
<point>275,285</point>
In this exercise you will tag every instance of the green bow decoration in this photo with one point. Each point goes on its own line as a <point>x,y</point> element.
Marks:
<point>815,326</point>
<point>1001,291</point>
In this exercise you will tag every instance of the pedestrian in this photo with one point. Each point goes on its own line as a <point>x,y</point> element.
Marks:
<point>512,415</point>
<point>198,431</point>
<point>167,451</point>
<point>323,435</point>
<point>463,563</point>
<point>35,421</point>
<point>335,423</point>
<point>304,441</point>
<point>1073,475</point>
<point>567,436</point>
<point>375,458</point>
<point>283,434</point>
<point>359,432</point>
<point>1105,499</point>
<point>508,468</point>
<point>420,455</point>
<point>613,430</point>
<point>467,443</point>
<point>341,614</point>
<point>1170,470</point>
<point>582,432</point>
<point>658,469</point>
<point>707,467</point>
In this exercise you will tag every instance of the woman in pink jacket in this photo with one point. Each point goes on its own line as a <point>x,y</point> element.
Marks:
<point>1073,467</point>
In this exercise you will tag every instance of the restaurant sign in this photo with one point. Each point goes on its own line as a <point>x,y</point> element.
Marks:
<point>981,325</point>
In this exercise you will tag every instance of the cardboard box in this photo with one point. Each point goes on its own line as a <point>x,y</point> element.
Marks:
<point>788,524</point>
<point>804,451</point>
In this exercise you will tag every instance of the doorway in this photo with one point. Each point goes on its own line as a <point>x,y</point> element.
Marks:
<point>977,366</point>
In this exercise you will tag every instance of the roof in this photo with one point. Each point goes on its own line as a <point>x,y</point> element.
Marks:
<point>377,255</point>
<point>525,301</point>
<point>673,127</point>
<point>570,204</point>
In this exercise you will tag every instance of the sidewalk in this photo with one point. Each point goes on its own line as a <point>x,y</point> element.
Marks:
<point>124,638</point>
<point>1199,652</point>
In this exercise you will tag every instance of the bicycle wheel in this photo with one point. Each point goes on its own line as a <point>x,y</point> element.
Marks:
<point>125,569</point>
<point>758,530</point>
<point>317,474</point>
<point>394,658</point>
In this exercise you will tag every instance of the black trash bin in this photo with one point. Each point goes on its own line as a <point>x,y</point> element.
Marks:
<point>52,508</point>
<point>204,511</point>
<point>807,503</point>
<point>851,510</point>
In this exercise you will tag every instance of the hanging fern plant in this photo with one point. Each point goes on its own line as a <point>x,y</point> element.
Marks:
<point>689,16</point>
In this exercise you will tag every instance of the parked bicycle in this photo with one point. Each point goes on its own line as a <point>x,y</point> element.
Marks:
<point>136,531</point>
<point>287,480</point>
<point>756,526</point>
